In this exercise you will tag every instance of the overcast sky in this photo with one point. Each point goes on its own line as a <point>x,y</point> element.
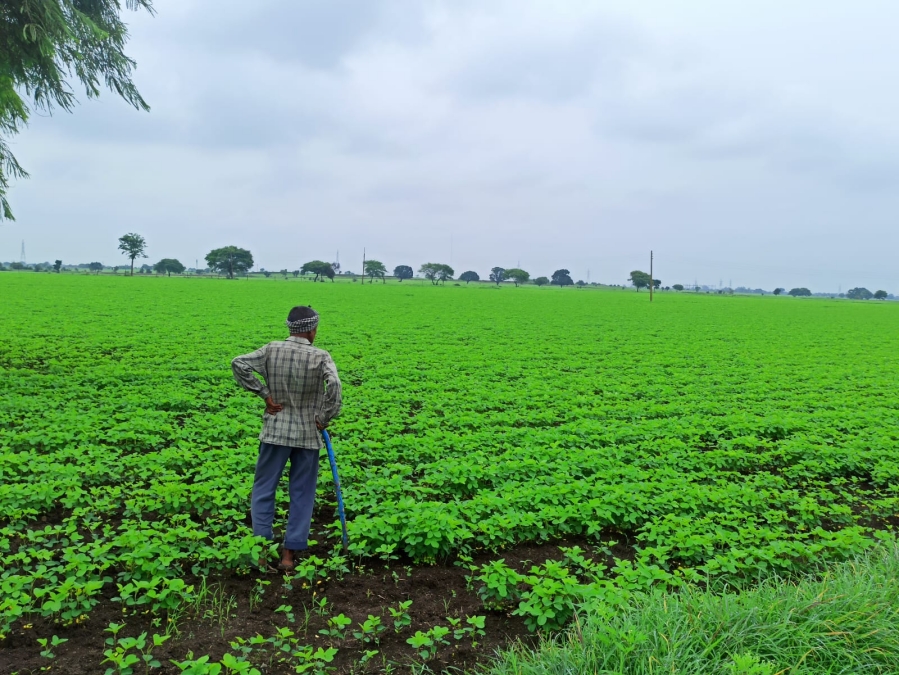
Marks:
<point>749,143</point>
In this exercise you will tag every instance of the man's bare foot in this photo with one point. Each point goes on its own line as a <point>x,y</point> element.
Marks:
<point>287,560</point>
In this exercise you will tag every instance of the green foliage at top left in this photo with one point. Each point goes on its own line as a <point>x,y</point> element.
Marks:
<point>44,42</point>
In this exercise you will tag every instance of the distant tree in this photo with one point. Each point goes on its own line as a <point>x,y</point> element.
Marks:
<point>265,273</point>
<point>857,294</point>
<point>284,273</point>
<point>57,266</point>
<point>37,268</point>
<point>115,269</point>
<point>230,260</point>
<point>295,273</point>
<point>319,268</point>
<point>375,269</point>
<point>469,276</point>
<point>541,281</point>
<point>445,273</point>
<point>656,283</point>
<point>145,269</point>
<point>778,291</point>
<point>800,292</point>
<point>518,276</point>
<point>580,283</point>
<point>96,267</point>
<point>169,265</point>
<point>436,272</point>
<point>562,278</point>
<point>16,266</point>
<point>429,271</point>
<point>133,246</point>
<point>639,279</point>
<point>336,267</point>
<point>498,275</point>
<point>880,295</point>
<point>678,287</point>
<point>403,272</point>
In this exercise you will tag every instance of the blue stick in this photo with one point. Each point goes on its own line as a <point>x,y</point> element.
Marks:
<point>333,460</point>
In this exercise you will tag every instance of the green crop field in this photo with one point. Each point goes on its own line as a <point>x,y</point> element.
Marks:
<point>693,439</point>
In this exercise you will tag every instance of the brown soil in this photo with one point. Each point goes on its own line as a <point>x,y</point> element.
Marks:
<point>437,592</point>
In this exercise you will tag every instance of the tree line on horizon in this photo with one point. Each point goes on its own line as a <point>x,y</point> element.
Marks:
<point>233,261</point>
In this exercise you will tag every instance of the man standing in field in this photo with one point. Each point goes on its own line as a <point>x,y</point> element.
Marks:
<point>302,396</point>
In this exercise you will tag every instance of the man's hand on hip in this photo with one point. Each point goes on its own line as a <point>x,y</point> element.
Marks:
<point>321,427</point>
<point>271,407</point>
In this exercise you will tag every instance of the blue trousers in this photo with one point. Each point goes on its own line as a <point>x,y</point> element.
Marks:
<point>303,478</point>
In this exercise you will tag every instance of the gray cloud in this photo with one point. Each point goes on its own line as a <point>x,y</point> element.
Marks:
<point>576,134</point>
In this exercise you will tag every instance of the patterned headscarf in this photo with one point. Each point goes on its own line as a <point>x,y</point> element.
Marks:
<point>303,325</point>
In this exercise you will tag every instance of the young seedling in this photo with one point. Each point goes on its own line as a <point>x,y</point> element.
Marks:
<point>257,593</point>
<point>422,644</point>
<point>238,665</point>
<point>370,630</point>
<point>427,644</point>
<point>49,645</point>
<point>200,666</point>
<point>438,635</point>
<point>337,565</point>
<point>337,626</point>
<point>367,656</point>
<point>400,614</point>
<point>315,662</point>
<point>475,628</point>
<point>386,553</point>
<point>456,627</point>
<point>286,585</point>
<point>146,653</point>
<point>282,642</point>
<point>287,610</point>
<point>242,645</point>
<point>320,606</point>
<point>122,662</point>
<point>119,655</point>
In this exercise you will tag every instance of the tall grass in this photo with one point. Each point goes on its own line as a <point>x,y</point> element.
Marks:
<point>844,621</point>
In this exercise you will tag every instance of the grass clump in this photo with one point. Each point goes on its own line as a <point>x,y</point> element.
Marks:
<point>844,621</point>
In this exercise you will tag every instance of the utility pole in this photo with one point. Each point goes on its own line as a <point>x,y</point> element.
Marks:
<point>652,282</point>
<point>22,257</point>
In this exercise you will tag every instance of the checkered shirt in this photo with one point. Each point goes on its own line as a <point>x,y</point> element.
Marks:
<point>298,376</point>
